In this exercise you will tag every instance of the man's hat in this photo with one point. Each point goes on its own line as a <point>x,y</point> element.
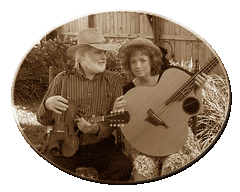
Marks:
<point>91,37</point>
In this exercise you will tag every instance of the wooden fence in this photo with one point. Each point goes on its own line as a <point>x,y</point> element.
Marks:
<point>121,25</point>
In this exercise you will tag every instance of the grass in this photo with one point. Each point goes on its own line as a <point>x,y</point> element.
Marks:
<point>26,115</point>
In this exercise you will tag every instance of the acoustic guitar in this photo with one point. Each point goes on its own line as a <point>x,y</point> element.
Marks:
<point>159,114</point>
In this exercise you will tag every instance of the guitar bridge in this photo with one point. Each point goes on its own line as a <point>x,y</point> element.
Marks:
<point>154,119</point>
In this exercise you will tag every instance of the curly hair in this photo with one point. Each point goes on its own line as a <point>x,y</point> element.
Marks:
<point>156,59</point>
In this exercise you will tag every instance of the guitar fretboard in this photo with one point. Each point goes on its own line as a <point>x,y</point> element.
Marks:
<point>190,84</point>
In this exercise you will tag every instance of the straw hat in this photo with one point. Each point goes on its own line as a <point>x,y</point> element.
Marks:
<point>91,37</point>
<point>140,42</point>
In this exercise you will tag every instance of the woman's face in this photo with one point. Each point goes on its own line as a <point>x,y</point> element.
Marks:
<point>140,64</point>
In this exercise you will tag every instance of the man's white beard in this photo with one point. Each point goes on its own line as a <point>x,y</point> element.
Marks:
<point>94,67</point>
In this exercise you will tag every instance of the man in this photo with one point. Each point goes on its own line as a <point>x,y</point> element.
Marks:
<point>94,91</point>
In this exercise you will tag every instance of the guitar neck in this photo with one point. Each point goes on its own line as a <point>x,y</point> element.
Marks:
<point>207,67</point>
<point>190,84</point>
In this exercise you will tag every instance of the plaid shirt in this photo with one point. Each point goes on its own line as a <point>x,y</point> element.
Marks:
<point>92,97</point>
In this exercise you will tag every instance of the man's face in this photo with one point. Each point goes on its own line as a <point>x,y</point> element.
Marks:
<point>94,61</point>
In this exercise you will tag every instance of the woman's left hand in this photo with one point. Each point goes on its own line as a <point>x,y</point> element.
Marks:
<point>119,104</point>
<point>201,79</point>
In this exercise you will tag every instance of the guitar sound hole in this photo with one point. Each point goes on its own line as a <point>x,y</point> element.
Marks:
<point>191,106</point>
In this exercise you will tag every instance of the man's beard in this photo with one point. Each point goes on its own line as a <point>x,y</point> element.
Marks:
<point>94,67</point>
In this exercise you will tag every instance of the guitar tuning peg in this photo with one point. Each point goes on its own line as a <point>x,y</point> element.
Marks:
<point>114,125</point>
<point>122,125</point>
<point>110,125</point>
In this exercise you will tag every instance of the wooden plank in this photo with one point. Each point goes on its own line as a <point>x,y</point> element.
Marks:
<point>113,35</point>
<point>176,49</point>
<point>171,41</point>
<point>126,35</point>
<point>189,50</point>
<point>101,22</point>
<point>97,21</point>
<point>85,22</point>
<point>75,25</point>
<point>137,20</point>
<point>128,22</point>
<point>124,22</point>
<point>70,26</point>
<point>195,52</point>
<point>133,23</point>
<point>180,37</point>
<point>111,22</point>
<point>208,53</point>
<point>108,22</point>
<point>115,20</point>
<point>79,24</point>
<point>142,24</point>
<point>119,24</point>
<point>147,24</point>
<point>201,54</point>
<point>183,46</point>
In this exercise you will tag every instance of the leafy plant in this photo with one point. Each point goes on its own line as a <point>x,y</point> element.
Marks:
<point>33,75</point>
<point>216,105</point>
<point>32,79</point>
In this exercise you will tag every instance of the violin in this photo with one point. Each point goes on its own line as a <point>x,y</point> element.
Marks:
<point>63,139</point>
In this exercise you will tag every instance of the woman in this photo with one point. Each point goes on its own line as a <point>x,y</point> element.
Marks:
<point>143,60</point>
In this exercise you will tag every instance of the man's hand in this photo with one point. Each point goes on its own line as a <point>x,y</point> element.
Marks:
<point>56,104</point>
<point>88,128</point>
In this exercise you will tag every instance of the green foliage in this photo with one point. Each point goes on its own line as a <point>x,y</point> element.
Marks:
<point>33,75</point>
<point>216,105</point>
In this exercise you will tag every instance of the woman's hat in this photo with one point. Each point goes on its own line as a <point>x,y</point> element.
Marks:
<point>140,42</point>
<point>91,37</point>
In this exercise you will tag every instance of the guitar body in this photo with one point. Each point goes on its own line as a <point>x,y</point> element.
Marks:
<point>157,139</point>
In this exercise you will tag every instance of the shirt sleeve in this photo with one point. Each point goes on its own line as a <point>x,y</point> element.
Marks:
<point>44,116</point>
<point>105,130</point>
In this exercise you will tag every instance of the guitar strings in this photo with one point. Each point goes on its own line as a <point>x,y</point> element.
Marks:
<point>190,85</point>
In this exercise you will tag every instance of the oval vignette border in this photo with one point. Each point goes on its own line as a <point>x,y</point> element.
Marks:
<point>125,10</point>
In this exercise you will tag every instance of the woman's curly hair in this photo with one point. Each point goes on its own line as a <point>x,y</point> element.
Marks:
<point>156,59</point>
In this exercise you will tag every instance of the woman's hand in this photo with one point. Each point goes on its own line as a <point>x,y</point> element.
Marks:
<point>201,79</point>
<point>119,104</point>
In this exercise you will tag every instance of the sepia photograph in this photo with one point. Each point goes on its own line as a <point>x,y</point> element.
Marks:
<point>121,98</point>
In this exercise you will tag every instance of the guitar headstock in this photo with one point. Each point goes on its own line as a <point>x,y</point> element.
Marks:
<point>118,118</point>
